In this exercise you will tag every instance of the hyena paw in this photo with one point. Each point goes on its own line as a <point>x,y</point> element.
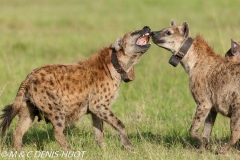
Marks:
<point>200,150</point>
<point>206,145</point>
<point>238,147</point>
<point>129,147</point>
<point>102,145</point>
<point>220,150</point>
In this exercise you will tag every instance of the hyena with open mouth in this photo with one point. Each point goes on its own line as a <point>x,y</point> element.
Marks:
<point>213,81</point>
<point>62,93</point>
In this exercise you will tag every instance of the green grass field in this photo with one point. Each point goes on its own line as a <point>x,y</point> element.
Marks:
<point>156,108</point>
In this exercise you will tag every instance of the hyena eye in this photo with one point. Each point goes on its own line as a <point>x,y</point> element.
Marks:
<point>168,33</point>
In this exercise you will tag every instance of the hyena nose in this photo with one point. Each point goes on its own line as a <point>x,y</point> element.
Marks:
<point>146,28</point>
<point>152,33</point>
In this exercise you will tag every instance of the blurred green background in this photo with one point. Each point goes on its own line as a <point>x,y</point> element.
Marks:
<point>156,108</point>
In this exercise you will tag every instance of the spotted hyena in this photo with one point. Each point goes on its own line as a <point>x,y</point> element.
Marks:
<point>233,54</point>
<point>213,80</point>
<point>61,94</point>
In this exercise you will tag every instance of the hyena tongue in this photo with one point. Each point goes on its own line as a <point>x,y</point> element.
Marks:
<point>142,41</point>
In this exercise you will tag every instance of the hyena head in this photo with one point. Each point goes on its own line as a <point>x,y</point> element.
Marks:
<point>171,38</point>
<point>234,52</point>
<point>134,44</point>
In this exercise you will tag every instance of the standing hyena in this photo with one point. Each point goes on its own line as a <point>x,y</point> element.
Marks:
<point>63,93</point>
<point>233,54</point>
<point>213,80</point>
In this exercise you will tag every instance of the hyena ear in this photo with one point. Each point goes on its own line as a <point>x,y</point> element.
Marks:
<point>185,29</point>
<point>117,45</point>
<point>172,23</point>
<point>235,48</point>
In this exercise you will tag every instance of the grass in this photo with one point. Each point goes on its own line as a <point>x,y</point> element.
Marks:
<point>156,108</point>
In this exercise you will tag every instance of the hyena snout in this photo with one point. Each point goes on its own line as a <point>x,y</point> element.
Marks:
<point>156,34</point>
<point>146,29</point>
<point>157,37</point>
<point>153,34</point>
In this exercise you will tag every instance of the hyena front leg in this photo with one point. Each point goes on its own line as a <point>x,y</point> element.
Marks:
<point>103,112</point>
<point>209,122</point>
<point>235,129</point>
<point>200,115</point>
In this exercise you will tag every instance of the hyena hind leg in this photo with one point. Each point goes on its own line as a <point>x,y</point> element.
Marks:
<point>26,117</point>
<point>58,123</point>
<point>235,130</point>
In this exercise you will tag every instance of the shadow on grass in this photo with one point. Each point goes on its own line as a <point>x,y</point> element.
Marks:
<point>34,137</point>
<point>184,140</point>
<point>169,140</point>
<point>37,137</point>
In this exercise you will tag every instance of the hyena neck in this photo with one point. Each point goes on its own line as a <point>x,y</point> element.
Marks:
<point>199,53</point>
<point>101,61</point>
<point>119,66</point>
<point>125,61</point>
<point>178,56</point>
<point>189,60</point>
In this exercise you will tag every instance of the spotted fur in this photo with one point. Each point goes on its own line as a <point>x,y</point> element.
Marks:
<point>61,94</point>
<point>213,82</point>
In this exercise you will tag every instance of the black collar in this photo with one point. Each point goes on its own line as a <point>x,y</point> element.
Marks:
<point>126,77</point>
<point>175,59</point>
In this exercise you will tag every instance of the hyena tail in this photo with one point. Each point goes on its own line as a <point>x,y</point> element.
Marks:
<point>11,110</point>
<point>6,118</point>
